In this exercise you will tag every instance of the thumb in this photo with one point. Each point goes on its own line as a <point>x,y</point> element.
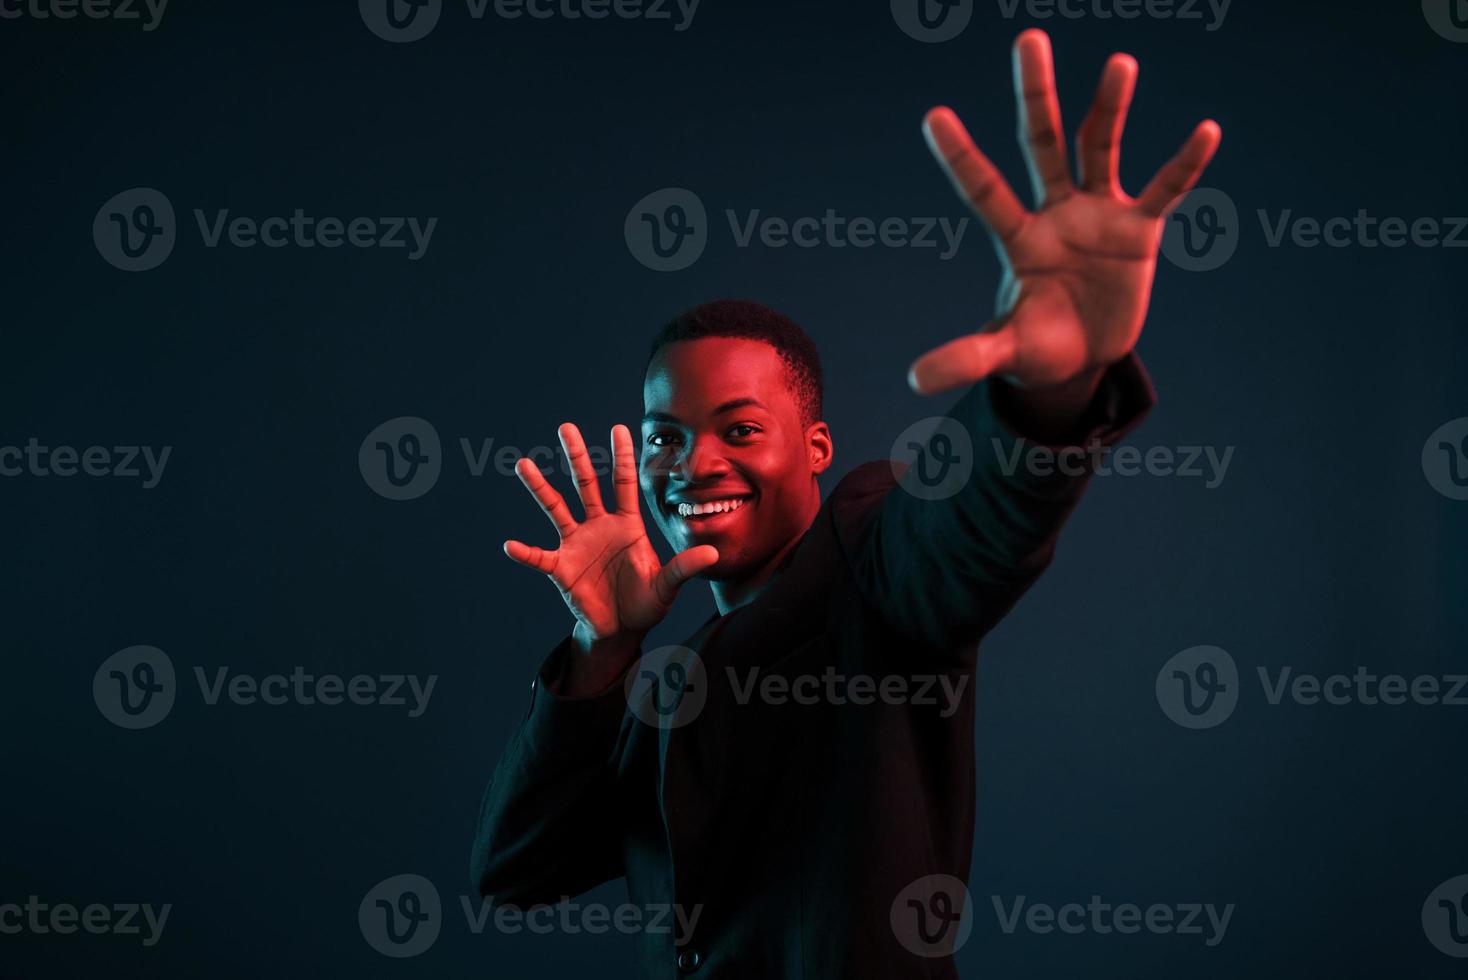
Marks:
<point>683,567</point>
<point>963,361</point>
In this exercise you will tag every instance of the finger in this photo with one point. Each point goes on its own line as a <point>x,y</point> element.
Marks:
<point>975,178</point>
<point>683,567</point>
<point>587,486</point>
<point>963,361</point>
<point>624,470</point>
<point>1098,143</point>
<point>555,508</point>
<point>1039,111</point>
<point>532,557</point>
<point>1182,171</point>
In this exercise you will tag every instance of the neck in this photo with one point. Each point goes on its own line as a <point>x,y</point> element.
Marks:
<point>730,594</point>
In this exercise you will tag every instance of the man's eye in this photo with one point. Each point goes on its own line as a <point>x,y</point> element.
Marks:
<point>662,440</point>
<point>743,431</point>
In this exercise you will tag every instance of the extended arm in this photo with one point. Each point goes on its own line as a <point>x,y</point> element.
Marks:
<point>1054,368</point>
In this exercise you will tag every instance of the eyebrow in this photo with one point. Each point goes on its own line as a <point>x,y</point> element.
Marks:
<point>723,407</point>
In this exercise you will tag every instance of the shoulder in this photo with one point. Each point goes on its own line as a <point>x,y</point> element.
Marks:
<point>860,493</point>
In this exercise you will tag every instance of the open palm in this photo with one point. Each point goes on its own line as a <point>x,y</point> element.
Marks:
<point>1078,270</point>
<point>608,573</point>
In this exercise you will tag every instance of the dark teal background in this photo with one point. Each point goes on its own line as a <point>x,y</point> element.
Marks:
<point>262,548</point>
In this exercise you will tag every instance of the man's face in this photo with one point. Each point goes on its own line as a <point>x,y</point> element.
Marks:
<point>725,458</point>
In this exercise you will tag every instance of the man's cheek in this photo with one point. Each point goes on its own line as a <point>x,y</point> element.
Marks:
<point>767,468</point>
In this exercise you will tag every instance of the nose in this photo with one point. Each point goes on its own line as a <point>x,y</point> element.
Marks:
<point>703,462</point>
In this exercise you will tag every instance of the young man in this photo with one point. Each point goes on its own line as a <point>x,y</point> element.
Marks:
<point>824,837</point>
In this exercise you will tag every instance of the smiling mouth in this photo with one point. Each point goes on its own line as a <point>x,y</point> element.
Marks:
<point>709,508</point>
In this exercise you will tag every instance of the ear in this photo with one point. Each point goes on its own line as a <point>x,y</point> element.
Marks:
<point>819,447</point>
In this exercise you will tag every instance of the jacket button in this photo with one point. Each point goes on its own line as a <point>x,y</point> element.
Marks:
<point>689,960</point>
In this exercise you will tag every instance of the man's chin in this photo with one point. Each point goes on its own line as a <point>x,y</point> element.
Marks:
<point>725,571</point>
<point>736,559</point>
<point>733,563</point>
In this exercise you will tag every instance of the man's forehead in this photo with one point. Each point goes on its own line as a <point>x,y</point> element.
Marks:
<point>700,374</point>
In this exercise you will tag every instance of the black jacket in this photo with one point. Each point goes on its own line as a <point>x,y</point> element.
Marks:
<point>819,838</point>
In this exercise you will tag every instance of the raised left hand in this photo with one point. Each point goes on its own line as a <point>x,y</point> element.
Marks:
<point>1078,270</point>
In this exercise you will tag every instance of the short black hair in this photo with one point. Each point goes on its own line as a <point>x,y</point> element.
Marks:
<point>746,320</point>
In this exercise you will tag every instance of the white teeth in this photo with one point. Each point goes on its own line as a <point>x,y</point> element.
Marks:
<point>712,507</point>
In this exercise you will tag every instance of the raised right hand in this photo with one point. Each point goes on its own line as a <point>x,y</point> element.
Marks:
<point>606,568</point>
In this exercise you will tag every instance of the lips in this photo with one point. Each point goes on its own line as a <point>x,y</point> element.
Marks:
<point>709,506</point>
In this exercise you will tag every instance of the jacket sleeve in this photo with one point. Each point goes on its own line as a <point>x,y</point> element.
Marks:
<point>546,830</point>
<point>944,568</point>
